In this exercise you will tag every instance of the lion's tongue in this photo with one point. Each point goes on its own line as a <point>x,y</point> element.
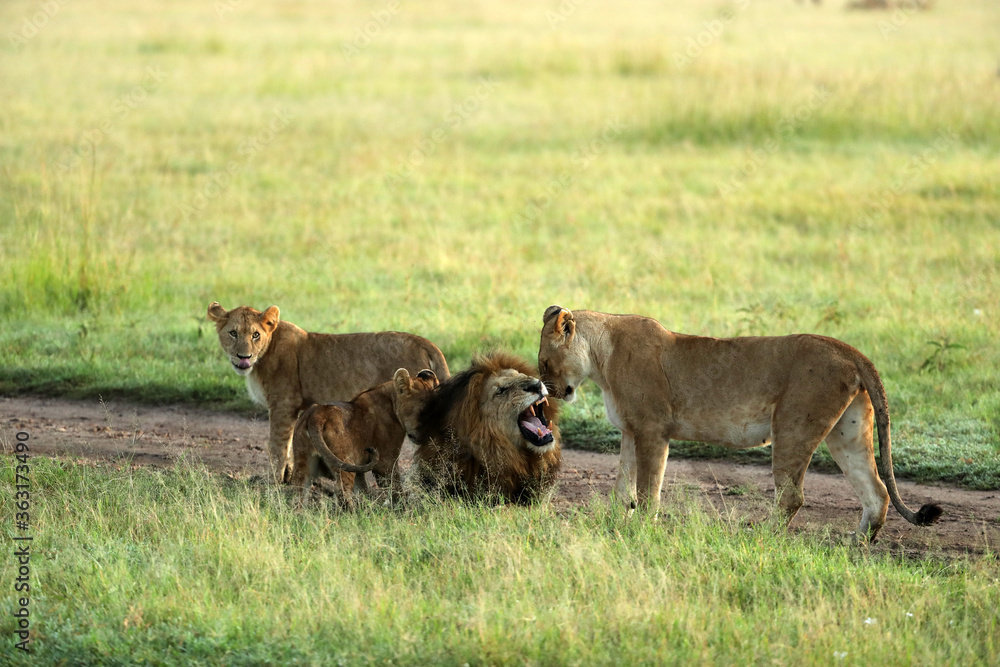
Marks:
<point>534,424</point>
<point>243,363</point>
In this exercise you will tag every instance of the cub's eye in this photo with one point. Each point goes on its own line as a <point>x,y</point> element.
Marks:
<point>233,333</point>
<point>256,335</point>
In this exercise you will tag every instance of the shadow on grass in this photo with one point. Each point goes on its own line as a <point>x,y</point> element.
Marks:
<point>70,383</point>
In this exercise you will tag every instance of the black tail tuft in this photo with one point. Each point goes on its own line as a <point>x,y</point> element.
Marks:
<point>928,514</point>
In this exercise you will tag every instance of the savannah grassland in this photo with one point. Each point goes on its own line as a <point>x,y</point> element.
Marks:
<point>801,169</point>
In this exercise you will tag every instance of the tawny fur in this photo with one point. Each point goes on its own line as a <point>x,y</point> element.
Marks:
<point>790,391</point>
<point>334,440</point>
<point>468,439</point>
<point>288,369</point>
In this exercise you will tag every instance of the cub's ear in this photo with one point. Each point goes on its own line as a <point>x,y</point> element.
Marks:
<point>429,375</point>
<point>550,312</point>
<point>270,318</point>
<point>402,380</point>
<point>217,313</point>
<point>565,326</point>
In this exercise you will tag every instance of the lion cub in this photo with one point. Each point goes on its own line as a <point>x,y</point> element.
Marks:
<point>327,437</point>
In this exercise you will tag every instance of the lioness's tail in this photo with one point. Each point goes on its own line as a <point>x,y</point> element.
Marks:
<point>872,383</point>
<point>332,460</point>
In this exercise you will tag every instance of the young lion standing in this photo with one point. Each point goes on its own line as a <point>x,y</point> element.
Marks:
<point>792,391</point>
<point>288,369</point>
<point>374,423</point>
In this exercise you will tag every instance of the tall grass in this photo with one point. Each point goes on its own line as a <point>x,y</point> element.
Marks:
<point>184,567</point>
<point>474,164</point>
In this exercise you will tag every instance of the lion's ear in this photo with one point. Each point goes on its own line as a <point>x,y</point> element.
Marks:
<point>429,375</point>
<point>402,380</point>
<point>550,312</point>
<point>565,326</point>
<point>217,313</point>
<point>270,318</point>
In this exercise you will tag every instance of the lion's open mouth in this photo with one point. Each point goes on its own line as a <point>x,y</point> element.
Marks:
<point>534,424</point>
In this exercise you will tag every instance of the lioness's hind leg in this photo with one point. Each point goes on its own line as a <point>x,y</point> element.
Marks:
<point>789,461</point>
<point>850,443</point>
<point>801,421</point>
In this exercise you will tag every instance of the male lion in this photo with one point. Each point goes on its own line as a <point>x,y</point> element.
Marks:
<point>326,435</point>
<point>489,431</point>
<point>288,369</point>
<point>792,391</point>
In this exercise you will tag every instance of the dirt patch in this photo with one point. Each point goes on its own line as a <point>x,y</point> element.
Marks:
<point>159,436</point>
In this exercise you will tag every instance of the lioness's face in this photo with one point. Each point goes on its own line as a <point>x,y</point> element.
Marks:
<point>563,357</point>
<point>411,397</point>
<point>244,333</point>
<point>517,402</point>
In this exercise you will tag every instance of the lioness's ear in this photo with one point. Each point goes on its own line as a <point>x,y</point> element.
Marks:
<point>550,312</point>
<point>429,375</point>
<point>565,325</point>
<point>217,313</point>
<point>402,380</point>
<point>269,318</point>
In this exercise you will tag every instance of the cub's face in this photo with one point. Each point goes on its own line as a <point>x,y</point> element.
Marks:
<point>516,403</point>
<point>411,396</point>
<point>563,356</point>
<point>244,333</point>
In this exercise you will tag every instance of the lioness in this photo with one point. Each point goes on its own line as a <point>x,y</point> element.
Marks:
<point>288,369</point>
<point>326,435</point>
<point>792,391</point>
<point>489,431</point>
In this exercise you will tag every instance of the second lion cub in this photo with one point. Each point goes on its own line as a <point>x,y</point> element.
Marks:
<point>332,440</point>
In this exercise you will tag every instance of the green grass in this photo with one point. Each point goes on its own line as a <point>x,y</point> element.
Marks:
<point>474,164</point>
<point>185,567</point>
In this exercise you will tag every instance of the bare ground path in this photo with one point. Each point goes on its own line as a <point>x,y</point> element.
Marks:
<point>158,436</point>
